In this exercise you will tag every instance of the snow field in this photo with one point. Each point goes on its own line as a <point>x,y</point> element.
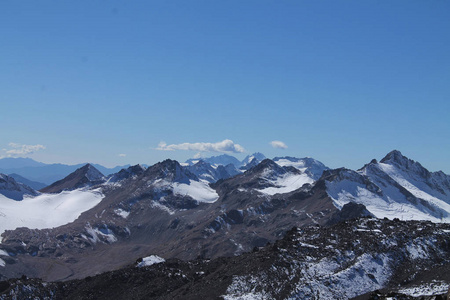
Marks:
<point>46,210</point>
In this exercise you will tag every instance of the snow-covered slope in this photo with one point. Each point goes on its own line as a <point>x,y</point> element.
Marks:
<point>288,174</point>
<point>284,182</point>
<point>396,187</point>
<point>205,171</point>
<point>12,189</point>
<point>46,210</point>
<point>312,167</point>
<point>169,177</point>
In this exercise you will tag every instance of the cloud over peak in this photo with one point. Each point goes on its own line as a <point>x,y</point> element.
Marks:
<point>21,150</point>
<point>225,146</point>
<point>278,144</point>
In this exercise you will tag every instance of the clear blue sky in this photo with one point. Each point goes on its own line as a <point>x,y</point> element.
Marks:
<point>340,81</point>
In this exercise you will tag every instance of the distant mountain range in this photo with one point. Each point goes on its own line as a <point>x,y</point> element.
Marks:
<point>214,207</point>
<point>44,174</point>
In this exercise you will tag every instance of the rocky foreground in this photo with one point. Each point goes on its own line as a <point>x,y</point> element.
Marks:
<point>366,258</point>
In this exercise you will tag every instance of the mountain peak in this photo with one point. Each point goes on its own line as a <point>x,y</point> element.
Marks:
<point>394,156</point>
<point>255,158</point>
<point>87,175</point>
<point>170,170</point>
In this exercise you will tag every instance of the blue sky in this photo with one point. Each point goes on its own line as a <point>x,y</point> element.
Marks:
<point>340,81</point>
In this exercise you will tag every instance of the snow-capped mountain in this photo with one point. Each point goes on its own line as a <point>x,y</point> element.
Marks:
<point>223,160</point>
<point>169,178</point>
<point>12,189</point>
<point>253,159</point>
<point>85,176</point>
<point>205,171</point>
<point>275,179</point>
<point>308,165</point>
<point>395,187</point>
<point>176,212</point>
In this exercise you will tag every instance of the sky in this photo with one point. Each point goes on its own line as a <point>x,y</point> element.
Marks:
<point>127,82</point>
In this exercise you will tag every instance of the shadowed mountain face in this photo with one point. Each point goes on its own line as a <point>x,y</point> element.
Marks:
<point>12,189</point>
<point>32,184</point>
<point>85,176</point>
<point>168,210</point>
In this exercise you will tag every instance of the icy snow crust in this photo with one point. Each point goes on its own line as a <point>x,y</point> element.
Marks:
<point>46,210</point>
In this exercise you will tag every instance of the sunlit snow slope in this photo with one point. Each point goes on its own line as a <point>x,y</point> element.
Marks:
<point>396,187</point>
<point>46,210</point>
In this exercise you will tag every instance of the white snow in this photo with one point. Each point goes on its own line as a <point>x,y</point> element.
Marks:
<point>150,260</point>
<point>327,281</point>
<point>46,210</point>
<point>287,183</point>
<point>156,204</point>
<point>198,190</point>
<point>414,187</point>
<point>244,288</point>
<point>106,233</point>
<point>123,213</point>
<point>390,204</point>
<point>3,253</point>
<point>428,289</point>
<point>298,164</point>
<point>2,263</point>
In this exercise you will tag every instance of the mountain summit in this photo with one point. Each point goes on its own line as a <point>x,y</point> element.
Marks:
<point>85,176</point>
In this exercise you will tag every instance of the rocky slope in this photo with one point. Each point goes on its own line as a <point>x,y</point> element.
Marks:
<point>364,258</point>
<point>85,176</point>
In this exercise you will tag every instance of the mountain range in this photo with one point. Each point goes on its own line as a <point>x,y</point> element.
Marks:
<point>41,173</point>
<point>213,208</point>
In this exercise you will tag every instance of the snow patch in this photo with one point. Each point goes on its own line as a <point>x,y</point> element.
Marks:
<point>150,260</point>
<point>123,213</point>
<point>428,289</point>
<point>287,183</point>
<point>197,190</point>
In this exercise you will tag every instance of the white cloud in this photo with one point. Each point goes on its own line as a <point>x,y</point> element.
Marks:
<point>122,155</point>
<point>225,146</point>
<point>278,144</point>
<point>21,150</point>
